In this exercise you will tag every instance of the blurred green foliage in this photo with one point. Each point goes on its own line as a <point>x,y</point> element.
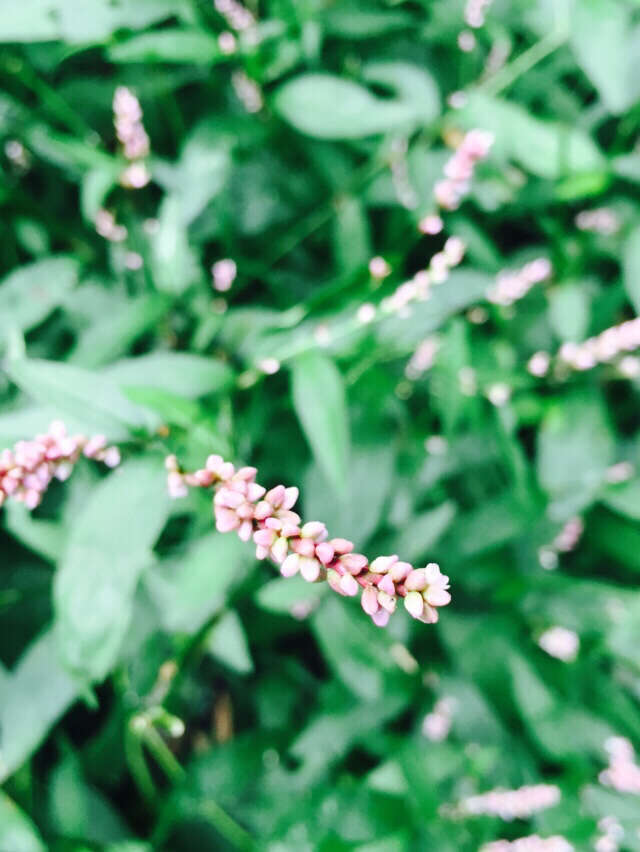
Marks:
<point>156,690</point>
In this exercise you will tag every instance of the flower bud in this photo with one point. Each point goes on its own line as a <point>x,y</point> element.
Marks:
<point>279,550</point>
<point>416,581</point>
<point>310,569</point>
<point>349,585</point>
<point>291,565</point>
<point>380,618</point>
<point>386,585</point>
<point>382,564</point>
<point>325,552</point>
<point>399,571</point>
<point>313,529</point>
<point>354,562</point>
<point>436,596</point>
<point>369,600</point>
<point>386,601</point>
<point>414,604</point>
<point>341,545</point>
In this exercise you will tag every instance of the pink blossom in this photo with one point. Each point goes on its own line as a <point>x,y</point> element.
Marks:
<point>241,504</point>
<point>27,471</point>
<point>459,169</point>
<point>512,804</point>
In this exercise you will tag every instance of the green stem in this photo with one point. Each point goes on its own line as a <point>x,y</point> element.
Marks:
<point>525,62</point>
<point>137,763</point>
<point>163,755</point>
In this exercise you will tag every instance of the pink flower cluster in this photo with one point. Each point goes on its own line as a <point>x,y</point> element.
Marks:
<point>622,773</point>
<point>512,804</point>
<point>603,347</point>
<point>459,169</point>
<point>531,843</point>
<point>267,517</point>
<point>27,470</point>
<point>509,287</point>
<point>418,288</point>
<point>127,119</point>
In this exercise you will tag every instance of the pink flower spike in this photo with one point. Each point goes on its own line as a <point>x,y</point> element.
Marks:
<point>291,565</point>
<point>369,600</point>
<point>380,618</point>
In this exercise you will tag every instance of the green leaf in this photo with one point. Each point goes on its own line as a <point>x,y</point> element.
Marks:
<point>227,641</point>
<point>570,310</point>
<point>109,546</point>
<point>409,83</point>
<point>180,373</point>
<point>168,45</point>
<point>191,587</point>
<point>330,107</point>
<point>17,832</point>
<point>201,172</point>
<point>174,263</point>
<point>320,403</point>
<point>44,537</point>
<point>289,595</point>
<point>29,294</point>
<point>113,334</point>
<point>356,514</point>
<point>78,810</point>
<point>624,498</point>
<point>358,651</point>
<point>547,149</point>
<point>78,21</point>
<point>38,691</point>
<point>423,531</point>
<point>86,400</point>
<point>631,267</point>
<point>575,447</point>
<point>603,47</point>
